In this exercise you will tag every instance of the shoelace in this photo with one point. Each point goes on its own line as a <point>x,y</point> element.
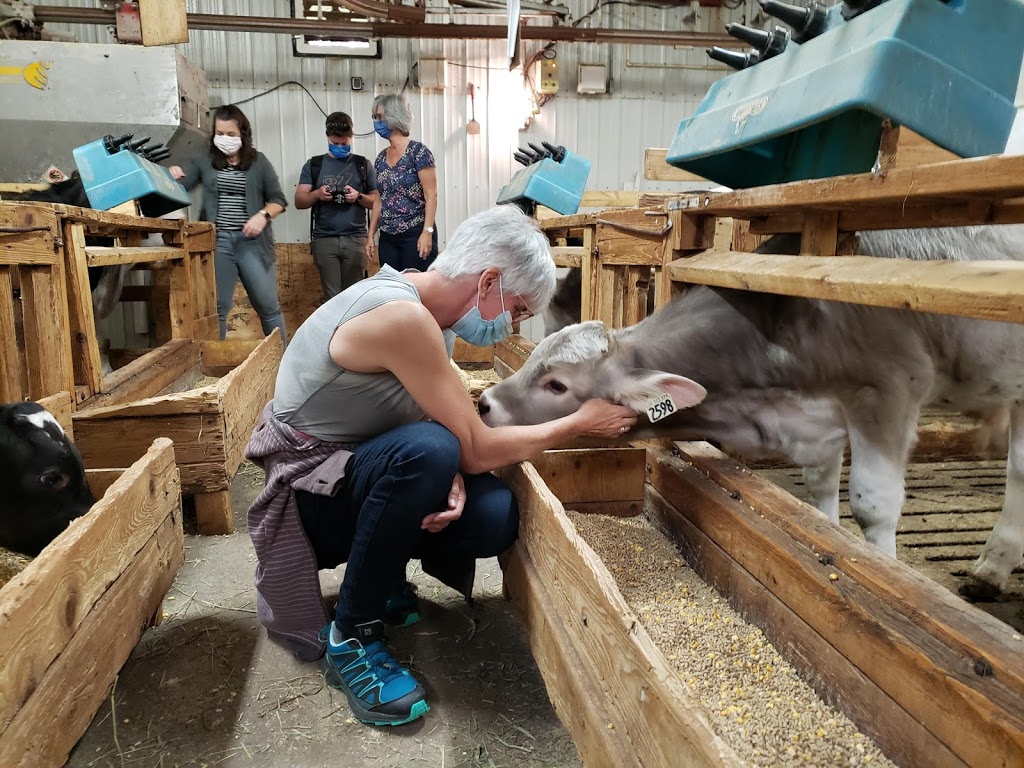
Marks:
<point>385,667</point>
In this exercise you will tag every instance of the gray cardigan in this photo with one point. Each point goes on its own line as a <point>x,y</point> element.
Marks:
<point>261,187</point>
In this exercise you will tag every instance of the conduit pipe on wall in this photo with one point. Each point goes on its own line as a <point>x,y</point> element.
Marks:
<point>406,29</point>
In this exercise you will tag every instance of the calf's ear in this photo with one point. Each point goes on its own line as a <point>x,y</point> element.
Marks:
<point>639,387</point>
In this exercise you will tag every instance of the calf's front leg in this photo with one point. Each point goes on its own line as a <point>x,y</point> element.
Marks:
<point>1005,545</point>
<point>822,482</point>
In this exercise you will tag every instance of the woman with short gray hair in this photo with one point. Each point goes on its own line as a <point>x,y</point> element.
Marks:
<point>375,454</point>
<point>405,212</point>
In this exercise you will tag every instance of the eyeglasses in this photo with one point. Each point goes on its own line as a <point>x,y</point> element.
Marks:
<point>376,117</point>
<point>523,314</point>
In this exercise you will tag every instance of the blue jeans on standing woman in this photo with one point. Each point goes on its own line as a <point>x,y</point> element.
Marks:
<point>399,251</point>
<point>239,257</point>
<point>373,523</point>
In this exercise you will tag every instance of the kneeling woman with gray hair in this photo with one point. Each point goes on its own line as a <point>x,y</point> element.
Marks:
<point>375,455</point>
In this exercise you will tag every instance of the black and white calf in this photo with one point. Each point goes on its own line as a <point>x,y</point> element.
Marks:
<point>42,479</point>
<point>801,379</point>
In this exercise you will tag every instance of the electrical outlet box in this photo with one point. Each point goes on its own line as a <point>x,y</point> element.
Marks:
<point>592,79</point>
<point>545,76</point>
<point>430,74</point>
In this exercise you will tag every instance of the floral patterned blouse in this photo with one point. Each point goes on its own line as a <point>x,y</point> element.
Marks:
<point>403,205</point>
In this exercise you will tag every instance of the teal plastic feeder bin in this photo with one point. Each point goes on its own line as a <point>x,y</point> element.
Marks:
<point>113,171</point>
<point>553,176</point>
<point>947,70</point>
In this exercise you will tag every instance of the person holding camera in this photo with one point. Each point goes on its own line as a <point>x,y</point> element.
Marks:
<point>340,187</point>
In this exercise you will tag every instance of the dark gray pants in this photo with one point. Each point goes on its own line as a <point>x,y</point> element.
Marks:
<point>339,261</point>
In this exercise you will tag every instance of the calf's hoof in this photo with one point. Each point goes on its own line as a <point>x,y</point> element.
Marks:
<point>977,590</point>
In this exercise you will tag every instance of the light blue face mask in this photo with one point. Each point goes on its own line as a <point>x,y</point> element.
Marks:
<point>382,129</point>
<point>339,151</point>
<point>473,329</point>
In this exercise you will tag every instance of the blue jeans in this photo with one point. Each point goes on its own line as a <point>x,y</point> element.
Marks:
<point>239,257</point>
<point>399,251</point>
<point>392,482</point>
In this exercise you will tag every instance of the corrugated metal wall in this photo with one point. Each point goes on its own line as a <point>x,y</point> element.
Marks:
<point>651,88</point>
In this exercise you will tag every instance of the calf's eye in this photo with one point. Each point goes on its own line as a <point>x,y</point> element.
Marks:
<point>557,387</point>
<point>54,479</point>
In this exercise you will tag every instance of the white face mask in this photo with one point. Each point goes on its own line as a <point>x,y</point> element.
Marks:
<point>229,145</point>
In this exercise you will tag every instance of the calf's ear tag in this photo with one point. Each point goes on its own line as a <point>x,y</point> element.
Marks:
<point>661,408</point>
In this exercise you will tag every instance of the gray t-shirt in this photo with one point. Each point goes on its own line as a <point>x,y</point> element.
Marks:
<point>338,218</point>
<point>316,396</point>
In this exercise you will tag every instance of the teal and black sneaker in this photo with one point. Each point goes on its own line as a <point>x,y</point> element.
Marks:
<point>403,607</point>
<point>379,690</point>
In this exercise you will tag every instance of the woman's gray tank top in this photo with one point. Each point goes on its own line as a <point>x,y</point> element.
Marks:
<point>316,396</point>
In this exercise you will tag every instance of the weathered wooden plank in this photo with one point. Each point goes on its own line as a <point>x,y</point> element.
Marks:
<point>606,474</point>
<point>102,256</point>
<point>568,255</point>
<point>72,688</point>
<point>47,357</point>
<point>512,352</point>
<point>32,234</point>
<point>163,22</point>
<point>990,290</point>
<point>820,234</point>
<point>938,214</point>
<point>915,640</point>
<point>998,177</point>
<point>573,689</point>
<point>10,355</point>
<point>213,513</point>
<point>44,606</point>
<point>657,169</point>
<point>86,346</point>
<point>146,375</point>
<point>652,711</point>
<point>244,392</point>
<point>902,738</point>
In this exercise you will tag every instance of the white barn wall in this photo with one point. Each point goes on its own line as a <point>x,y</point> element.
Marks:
<point>651,88</point>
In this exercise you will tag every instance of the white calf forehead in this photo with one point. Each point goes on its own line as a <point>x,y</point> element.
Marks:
<point>574,344</point>
<point>41,418</point>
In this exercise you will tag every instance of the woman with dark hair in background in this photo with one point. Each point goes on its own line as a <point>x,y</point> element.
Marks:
<point>241,195</point>
<point>407,181</point>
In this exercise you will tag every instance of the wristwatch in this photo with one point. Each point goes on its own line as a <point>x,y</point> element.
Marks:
<point>429,229</point>
<point>266,215</point>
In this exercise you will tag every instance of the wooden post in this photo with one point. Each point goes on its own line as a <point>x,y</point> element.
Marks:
<point>820,234</point>
<point>10,359</point>
<point>82,320</point>
<point>163,22</point>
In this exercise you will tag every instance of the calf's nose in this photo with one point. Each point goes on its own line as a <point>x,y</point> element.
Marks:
<point>482,406</point>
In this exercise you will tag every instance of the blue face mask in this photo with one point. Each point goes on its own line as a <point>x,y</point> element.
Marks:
<point>382,129</point>
<point>340,151</point>
<point>473,329</point>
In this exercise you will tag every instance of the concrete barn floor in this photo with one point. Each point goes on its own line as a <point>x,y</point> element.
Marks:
<point>207,688</point>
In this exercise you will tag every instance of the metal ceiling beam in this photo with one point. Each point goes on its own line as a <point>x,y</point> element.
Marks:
<point>384,30</point>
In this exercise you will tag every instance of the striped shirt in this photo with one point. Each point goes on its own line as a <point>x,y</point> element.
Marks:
<point>231,211</point>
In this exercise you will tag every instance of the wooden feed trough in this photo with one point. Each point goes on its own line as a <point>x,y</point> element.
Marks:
<point>70,620</point>
<point>210,425</point>
<point>931,679</point>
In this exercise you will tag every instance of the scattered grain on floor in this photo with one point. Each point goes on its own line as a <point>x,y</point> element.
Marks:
<point>752,696</point>
<point>207,381</point>
<point>11,564</point>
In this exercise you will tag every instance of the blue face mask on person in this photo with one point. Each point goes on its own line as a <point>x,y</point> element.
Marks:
<point>339,151</point>
<point>473,329</point>
<point>382,129</point>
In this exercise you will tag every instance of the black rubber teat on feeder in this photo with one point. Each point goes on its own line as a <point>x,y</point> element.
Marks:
<point>734,59</point>
<point>853,8</point>
<point>806,23</point>
<point>768,44</point>
<point>113,145</point>
<point>557,153</point>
